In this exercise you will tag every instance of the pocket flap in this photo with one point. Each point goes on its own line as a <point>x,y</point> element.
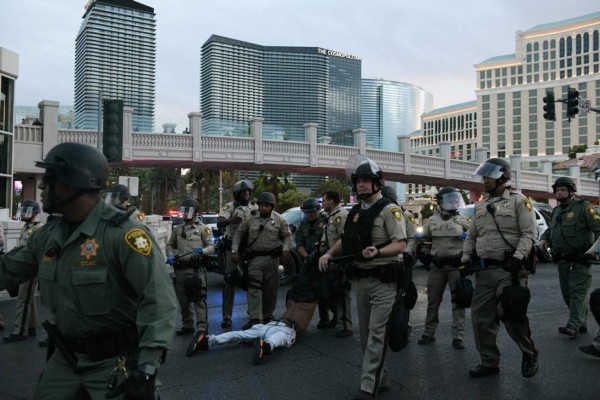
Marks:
<point>86,277</point>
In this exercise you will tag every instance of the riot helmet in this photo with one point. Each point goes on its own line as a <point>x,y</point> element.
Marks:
<point>494,168</point>
<point>188,209</point>
<point>28,210</point>
<point>240,187</point>
<point>266,197</point>
<point>117,195</point>
<point>450,199</point>
<point>390,193</point>
<point>565,181</point>
<point>310,205</point>
<point>77,165</point>
<point>359,166</point>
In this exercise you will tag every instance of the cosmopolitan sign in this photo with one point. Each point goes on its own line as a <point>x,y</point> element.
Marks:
<point>337,54</point>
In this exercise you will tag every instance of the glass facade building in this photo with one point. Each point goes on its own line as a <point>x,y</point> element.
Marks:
<point>115,53</point>
<point>389,109</point>
<point>66,115</point>
<point>287,86</point>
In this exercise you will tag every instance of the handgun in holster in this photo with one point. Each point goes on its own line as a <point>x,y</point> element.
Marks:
<point>56,341</point>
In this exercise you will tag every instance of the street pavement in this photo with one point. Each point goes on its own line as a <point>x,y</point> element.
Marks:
<point>320,366</point>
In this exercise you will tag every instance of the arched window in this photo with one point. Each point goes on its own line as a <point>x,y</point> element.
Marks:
<point>578,44</point>
<point>586,42</point>
<point>529,47</point>
<point>596,40</point>
<point>569,46</point>
<point>536,46</point>
<point>561,47</point>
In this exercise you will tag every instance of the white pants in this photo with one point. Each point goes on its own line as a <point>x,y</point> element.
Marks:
<point>277,334</point>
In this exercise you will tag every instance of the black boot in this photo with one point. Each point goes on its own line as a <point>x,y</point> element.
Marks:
<point>529,365</point>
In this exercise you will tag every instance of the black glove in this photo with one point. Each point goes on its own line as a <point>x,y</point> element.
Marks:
<point>466,269</point>
<point>514,265</point>
<point>139,386</point>
<point>586,258</point>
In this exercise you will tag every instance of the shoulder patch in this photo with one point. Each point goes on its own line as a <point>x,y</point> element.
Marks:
<point>412,219</point>
<point>396,213</point>
<point>139,241</point>
<point>208,230</point>
<point>528,205</point>
<point>338,220</point>
<point>592,210</point>
<point>226,207</point>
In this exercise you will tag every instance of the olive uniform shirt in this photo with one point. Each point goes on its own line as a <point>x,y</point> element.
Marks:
<point>516,219</point>
<point>573,228</point>
<point>80,283</point>
<point>308,234</point>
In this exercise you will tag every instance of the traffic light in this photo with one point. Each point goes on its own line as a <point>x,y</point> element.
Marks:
<point>572,103</point>
<point>550,107</point>
<point>112,139</point>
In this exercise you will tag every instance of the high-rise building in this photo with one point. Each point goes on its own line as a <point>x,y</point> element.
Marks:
<point>389,109</point>
<point>510,89</point>
<point>9,71</point>
<point>115,54</point>
<point>287,86</point>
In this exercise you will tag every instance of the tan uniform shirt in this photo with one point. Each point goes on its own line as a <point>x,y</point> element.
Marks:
<point>229,211</point>
<point>185,238</point>
<point>335,227</point>
<point>448,233</point>
<point>27,231</point>
<point>515,218</point>
<point>411,228</point>
<point>274,232</point>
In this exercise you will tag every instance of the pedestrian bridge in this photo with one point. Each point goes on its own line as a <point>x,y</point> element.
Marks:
<point>258,151</point>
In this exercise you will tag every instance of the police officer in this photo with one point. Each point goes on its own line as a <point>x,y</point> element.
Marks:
<point>375,233</point>
<point>266,237</point>
<point>189,243</point>
<point>1,252</point>
<point>26,316</point>
<point>307,236</point>
<point>593,349</point>
<point>500,236</point>
<point>232,214</point>
<point>118,196</point>
<point>103,278</point>
<point>409,255</point>
<point>575,226</point>
<point>341,300</point>
<point>447,230</point>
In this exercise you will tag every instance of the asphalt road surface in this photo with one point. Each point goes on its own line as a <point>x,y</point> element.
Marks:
<point>320,366</point>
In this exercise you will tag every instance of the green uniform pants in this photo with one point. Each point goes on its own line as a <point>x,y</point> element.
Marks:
<point>59,381</point>
<point>486,311</point>
<point>574,285</point>
<point>375,301</point>
<point>437,280</point>
<point>263,287</point>
<point>199,307</point>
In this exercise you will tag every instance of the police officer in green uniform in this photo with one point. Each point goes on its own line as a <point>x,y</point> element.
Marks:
<point>307,236</point>
<point>266,238</point>
<point>231,216</point>
<point>375,234</point>
<point>118,196</point>
<point>103,278</point>
<point>1,251</point>
<point>575,226</point>
<point>341,300</point>
<point>187,248</point>
<point>26,318</point>
<point>446,230</point>
<point>500,236</point>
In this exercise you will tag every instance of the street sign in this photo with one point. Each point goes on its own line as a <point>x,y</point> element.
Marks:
<point>132,182</point>
<point>586,105</point>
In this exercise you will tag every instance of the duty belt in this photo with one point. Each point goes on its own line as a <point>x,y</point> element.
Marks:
<point>490,262</point>
<point>100,346</point>
<point>290,323</point>
<point>443,261</point>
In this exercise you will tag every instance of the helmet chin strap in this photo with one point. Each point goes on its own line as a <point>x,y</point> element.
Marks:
<point>365,196</point>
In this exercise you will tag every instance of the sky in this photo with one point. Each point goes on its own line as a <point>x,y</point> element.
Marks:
<point>431,44</point>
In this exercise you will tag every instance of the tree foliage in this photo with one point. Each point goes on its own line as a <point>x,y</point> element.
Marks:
<point>578,148</point>
<point>337,185</point>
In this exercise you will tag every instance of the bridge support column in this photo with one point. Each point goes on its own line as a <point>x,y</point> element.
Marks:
<point>127,132</point>
<point>515,164</point>
<point>445,154</point>
<point>547,170</point>
<point>481,155</point>
<point>360,140</point>
<point>49,120</point>
<point>256,131</point>
<point>575,173</point>
<point>195,122</point>
<point>310,131</point>
<point>404,147</point>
